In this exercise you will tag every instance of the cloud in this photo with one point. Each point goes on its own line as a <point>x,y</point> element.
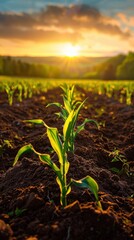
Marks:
<point>38,35</point>
<point>58,23</point>
<point>128,21</point>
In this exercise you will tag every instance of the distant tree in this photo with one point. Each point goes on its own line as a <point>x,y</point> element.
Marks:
<point>107,70</point>
<point>126,69</point>
<point>108,73</point>
<point>1,65</point>
<point>7,66</point>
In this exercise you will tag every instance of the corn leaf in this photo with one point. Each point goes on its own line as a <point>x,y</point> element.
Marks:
<point>69,188</point>
<point>82,126</point>
<point>78,110</point>
<point>63,114</point>
<point>68,124</point>
<point>68,129</point>
<point>89,183</point>
<point>55,142</point>
<point>45,158</point>
<point>67,164</point>
<point>72,93</point>
<point>67,104</point>
<point>59,115</point>
<point>115,159</point>
<point>60,183</point>
<point>114,169</point>
<point>64,87</point>
<point>54,104</point>
<point>21,151</point>
<point>35,121</point>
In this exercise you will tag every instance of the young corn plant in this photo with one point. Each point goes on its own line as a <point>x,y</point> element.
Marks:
<point>60,148</point>
<point>61,145</point>
<point>10,93</point>
<point>118,157</point>
<point>19,92</point>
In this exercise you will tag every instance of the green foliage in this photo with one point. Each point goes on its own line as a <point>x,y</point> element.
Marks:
<point>61,145</point>
<point>17,212</point>
<point>19,89</point>
<point>69,113</point>
<point>10,93</point>
<point>118,157</point>
<point>126,69</point>
<point>117,67</point>
<point>15,67</point>
<point>107,70</point>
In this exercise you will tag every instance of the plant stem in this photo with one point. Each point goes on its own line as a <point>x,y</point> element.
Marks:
<point>64,187</point>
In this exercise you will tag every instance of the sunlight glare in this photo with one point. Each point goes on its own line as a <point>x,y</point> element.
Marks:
<point>71,50</point>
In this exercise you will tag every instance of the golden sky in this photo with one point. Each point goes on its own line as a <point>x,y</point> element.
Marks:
<point>48,29</point>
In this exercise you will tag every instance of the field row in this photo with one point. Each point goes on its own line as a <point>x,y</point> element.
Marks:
<point>18,89</point>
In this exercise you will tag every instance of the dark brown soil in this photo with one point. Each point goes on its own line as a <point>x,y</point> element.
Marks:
<point>29,195</point>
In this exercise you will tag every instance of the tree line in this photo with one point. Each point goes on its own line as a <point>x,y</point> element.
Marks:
<point>13,67</point>
<point>120,67</point>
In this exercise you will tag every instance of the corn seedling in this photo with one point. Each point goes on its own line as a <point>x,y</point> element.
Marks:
<point>25,89</point>
<point>117,157</point>
<point>10,92</point>
<point>61,145</point>
<point>20,92</point>
<point>128,96</point>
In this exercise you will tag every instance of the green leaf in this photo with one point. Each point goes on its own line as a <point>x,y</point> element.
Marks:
<point>69,187</point>
<point>114,169</point>
<point>68,125</point>
<point>89,183</point>
<point>45,158</point>
<point>35,121</point>
<point>67,164</point>
<point>115,159</point>
<point>21,151</point>
<point>18,212</point>
<point>64,114</point>
<point>55,142</point>
<point>59,115</point>
<point>67,105</point>
<point>72,93</point>
<point>82,126</point>
<point>64,87</point>
<point>68,130</point>
<point>78,109</point>
<point>54,104</point>
<point>59,181</point>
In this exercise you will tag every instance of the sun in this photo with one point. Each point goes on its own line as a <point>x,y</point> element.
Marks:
<point>71,50</point>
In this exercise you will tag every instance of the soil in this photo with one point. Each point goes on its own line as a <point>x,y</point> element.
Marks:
<point>29,194</point>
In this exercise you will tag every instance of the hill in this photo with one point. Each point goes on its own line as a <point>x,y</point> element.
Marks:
<point>80,62</point>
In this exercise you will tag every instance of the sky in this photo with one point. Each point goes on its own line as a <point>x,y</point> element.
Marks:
<point>49,28</point>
